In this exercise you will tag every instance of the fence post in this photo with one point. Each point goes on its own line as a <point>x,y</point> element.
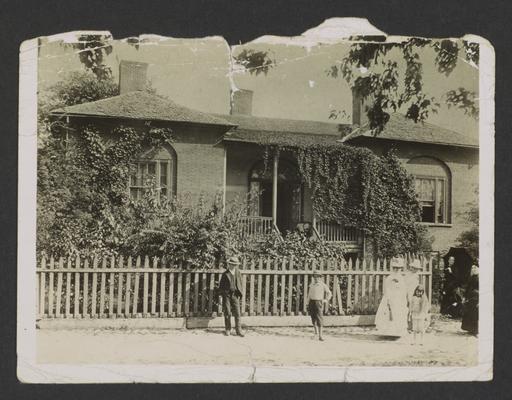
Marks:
<point>268,266</point>
<point>42,288</point>
<point>163,281</point>
<point>59,288</point>
<point>170,305</point>
<point>350,266</point>
<point>85,297</point>
<point>128,288</point>
<point>251,289</point>
<point>94,287</point>
<point>179,289</point>
<point>243,305</point>
<point>67,306</point>
<point>290,287</point>
<point>260,287</point>
<point>154,286</point>
<point>111,278</point>
<point>274,298</point>
<point>50,287</point>
<point>77,287</point>
<point>120,280</point>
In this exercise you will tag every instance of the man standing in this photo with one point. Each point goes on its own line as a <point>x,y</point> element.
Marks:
<point>318,294</point>
<point>231,290</point>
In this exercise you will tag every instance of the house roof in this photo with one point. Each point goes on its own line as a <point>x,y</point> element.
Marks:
<point>141,106</point>
<point>403,129</point>
<point>251,129</point>
<point>250,122</point>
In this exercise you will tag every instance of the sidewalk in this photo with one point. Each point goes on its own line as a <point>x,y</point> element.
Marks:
<point>445,345</point>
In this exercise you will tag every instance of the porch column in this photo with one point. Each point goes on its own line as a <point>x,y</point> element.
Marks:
<point>274,188</point>
<point>224,180</point>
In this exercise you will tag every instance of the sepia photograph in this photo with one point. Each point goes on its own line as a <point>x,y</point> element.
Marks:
<point>304,208</point>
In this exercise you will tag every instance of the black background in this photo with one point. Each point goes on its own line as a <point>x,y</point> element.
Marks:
<point>241,21</point>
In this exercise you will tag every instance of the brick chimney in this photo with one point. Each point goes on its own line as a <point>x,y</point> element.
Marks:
<point>241,102</point>
<point>132,76</point>
<point>359,108</point>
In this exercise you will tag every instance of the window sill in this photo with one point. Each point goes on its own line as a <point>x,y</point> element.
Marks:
<point>436,225</point>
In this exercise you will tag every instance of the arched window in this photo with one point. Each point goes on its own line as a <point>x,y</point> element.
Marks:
<point>432,181</point>
<point>155,170</point>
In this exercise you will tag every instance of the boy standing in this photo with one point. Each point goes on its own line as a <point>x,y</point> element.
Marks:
<point>318,294</point>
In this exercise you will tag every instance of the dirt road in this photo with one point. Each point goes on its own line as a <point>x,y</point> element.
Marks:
<point>445,345</point>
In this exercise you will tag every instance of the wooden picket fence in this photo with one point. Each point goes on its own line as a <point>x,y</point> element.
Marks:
<point>80,287</point>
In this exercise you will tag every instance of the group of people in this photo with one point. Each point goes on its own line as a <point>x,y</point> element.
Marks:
<point>230,288</point>
<point>460,294</point>
<point>404,306</point>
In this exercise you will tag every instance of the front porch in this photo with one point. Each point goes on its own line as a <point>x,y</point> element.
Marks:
<point>351,238</point>
<point>278,200</point>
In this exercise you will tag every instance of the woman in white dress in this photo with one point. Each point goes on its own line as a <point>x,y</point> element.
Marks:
<point>391,317</point>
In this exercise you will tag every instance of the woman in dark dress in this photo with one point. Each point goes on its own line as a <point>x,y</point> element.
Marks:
<point>470,317</point>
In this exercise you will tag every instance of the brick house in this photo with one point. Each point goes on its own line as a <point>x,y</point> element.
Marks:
<point>214,154</point>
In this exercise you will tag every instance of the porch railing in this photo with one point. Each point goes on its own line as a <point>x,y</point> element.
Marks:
<point>254,226</point>
<point>334,232</point>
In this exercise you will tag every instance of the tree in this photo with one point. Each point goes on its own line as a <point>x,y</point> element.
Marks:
<point>82,194</point>
<point>389,75</point>
<point>469,239</point>
<point>92,51</point>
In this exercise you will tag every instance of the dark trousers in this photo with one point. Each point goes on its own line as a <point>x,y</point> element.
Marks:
<point>231,306</point>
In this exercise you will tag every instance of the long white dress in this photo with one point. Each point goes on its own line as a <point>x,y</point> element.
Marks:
<point>391,317</point>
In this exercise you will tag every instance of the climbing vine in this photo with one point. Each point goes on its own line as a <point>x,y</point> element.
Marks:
<point>82,185</point>
<point>353,186</point>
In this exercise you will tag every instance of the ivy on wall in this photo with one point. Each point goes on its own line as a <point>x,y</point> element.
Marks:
<point>82,185</point>
<point>353,186</point>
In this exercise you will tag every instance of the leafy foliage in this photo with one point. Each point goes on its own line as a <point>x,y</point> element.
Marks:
<point>372,74</point>
<point>463,99</point>
<point>92,51</point>
<point>354,187</point>
<point>469,239</point>
<point>298,245</point>
<point>389,76</point>
<point>256,62</point>
<point>82,182</point>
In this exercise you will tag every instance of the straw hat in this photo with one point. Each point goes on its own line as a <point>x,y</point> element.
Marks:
<point>233,260</point>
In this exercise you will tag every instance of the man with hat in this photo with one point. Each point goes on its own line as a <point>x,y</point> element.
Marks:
<point>318,294</point>
<point>230,288</point>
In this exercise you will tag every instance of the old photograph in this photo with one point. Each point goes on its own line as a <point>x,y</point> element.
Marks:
<point>303,208</point>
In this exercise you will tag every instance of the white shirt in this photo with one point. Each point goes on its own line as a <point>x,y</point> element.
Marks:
<point>319,291</point>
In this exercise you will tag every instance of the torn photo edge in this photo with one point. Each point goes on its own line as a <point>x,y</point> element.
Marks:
<point>29,371</point>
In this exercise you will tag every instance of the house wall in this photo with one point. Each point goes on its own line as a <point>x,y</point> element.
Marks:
<point>200,167</point>
<point>462,164</point>
<point>200,157</point>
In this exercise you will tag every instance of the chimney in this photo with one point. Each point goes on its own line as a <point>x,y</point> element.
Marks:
<point>132,76</point>
<point>359,107</point>
<point>241,102</point>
